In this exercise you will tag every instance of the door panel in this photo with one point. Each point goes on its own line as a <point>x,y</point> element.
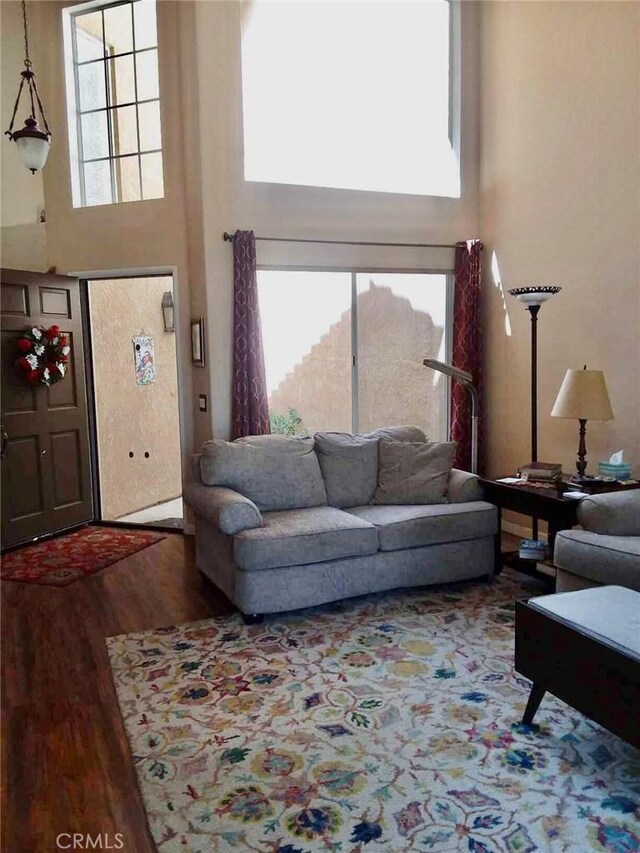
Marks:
<point>54,303</point>
<point>22,459</point>
<point>46,480</point>
<point>67,476</point>
<point>17,397</point>
<point>15,300</point>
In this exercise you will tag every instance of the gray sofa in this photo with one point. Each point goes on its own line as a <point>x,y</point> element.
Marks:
<point>607,549</point>
<point>312,534</point>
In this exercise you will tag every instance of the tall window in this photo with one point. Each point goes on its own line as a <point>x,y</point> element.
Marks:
<point>344,350</point>
<point>352,95</point>
<point>111,53</point>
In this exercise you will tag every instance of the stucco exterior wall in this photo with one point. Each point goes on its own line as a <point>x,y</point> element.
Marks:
<point>134,418</point>
<point>394,386</point>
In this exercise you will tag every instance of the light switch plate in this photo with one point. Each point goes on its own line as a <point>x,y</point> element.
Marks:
<point>202,402</point>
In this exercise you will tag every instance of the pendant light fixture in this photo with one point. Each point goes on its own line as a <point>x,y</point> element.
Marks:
<point>33,143</point>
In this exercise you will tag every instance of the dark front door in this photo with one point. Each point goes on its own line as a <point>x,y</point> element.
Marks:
<point>46,479</point>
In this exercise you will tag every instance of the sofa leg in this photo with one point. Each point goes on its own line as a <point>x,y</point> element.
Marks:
<point>253,618</point>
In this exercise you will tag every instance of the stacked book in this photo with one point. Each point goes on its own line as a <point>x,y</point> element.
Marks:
<point>532,549</point>
<point>542,472</point>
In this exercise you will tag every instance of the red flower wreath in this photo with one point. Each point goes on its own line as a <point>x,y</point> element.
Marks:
<point>44,354</point>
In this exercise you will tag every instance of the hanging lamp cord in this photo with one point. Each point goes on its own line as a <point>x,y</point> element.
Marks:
<point>27,61</point>
<point>29,77</point>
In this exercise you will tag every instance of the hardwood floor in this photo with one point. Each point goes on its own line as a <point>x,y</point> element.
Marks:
<point>66,765</point>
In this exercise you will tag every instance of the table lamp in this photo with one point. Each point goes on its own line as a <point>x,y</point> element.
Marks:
<point>583,397</point>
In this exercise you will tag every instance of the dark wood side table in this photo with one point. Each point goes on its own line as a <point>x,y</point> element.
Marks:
<point>546,503</point>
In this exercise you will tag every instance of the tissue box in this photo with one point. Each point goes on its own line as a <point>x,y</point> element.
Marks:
<point>620,471</point>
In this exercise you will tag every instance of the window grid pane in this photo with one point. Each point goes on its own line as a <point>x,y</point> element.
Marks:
<point>128,178</point>
<point>105,109</point>
<point>306,332</point>
<point>401,321</point>
<point>115,61</point>
<point>81,63</point>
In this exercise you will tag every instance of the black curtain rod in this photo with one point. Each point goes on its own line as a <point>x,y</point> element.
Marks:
<point>228,238</point>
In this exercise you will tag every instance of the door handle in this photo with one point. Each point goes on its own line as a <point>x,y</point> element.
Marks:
<point>5,441</point>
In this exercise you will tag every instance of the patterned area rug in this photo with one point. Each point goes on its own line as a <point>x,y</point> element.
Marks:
<point>386,723</point>
<point>65,559</point>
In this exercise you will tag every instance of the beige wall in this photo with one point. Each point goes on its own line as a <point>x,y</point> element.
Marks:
<point>560,190</point>
<point>130,417</point>
<point>23,237</point>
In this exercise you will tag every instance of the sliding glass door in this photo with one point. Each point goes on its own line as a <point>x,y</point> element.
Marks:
<point>344,349</point>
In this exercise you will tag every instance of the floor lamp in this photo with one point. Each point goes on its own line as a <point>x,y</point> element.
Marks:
<point>532,298</point>
<point>466,379</point>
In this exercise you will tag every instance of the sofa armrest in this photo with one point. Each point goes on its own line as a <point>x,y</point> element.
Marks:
<point>464,487</point>
<point>227,510</point>
<point>611,513</point>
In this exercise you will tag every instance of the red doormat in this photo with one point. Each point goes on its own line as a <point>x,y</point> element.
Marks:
<point>65,559</point>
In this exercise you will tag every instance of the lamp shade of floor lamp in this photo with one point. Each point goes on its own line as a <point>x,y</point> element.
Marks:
<point>583,396</point>
<point>466,379</point>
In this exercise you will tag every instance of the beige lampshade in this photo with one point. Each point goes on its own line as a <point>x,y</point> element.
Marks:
<point>583,395</point>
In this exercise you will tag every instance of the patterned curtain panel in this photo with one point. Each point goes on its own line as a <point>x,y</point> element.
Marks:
<point>466,345</point>
<point>250,408</point>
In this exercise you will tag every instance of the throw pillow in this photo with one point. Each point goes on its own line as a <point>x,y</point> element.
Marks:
<point>413,472</point>
<point>399,433</point>
<point>349,463</point>
<point>275,472</point>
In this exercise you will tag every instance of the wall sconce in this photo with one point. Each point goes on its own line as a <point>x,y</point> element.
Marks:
<point>168,314</point>
<point>32,142</point>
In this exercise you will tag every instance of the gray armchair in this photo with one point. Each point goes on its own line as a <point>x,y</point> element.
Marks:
<point>607,548</point>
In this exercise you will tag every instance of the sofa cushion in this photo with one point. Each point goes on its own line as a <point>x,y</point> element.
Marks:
<point>402,527</point>
<point>275,472</point>
<point>349,463</point>
<point>599,557</point>
<point>413,472</point>
<point>302,536</point>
